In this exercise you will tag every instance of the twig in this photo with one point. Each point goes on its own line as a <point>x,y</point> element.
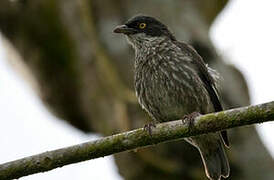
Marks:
<point>135,139</point>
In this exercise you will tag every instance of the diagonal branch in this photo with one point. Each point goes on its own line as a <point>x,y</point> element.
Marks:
<point>135,139</point>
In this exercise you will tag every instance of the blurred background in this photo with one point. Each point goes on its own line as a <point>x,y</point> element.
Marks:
<point>65,78</point>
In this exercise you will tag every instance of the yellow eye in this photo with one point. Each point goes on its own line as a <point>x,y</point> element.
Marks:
<point>142,25</point>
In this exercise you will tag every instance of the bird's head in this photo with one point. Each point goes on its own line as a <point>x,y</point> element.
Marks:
<point>142,28</point>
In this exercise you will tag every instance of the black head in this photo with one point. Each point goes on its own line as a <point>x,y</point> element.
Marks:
<point>144,24</point>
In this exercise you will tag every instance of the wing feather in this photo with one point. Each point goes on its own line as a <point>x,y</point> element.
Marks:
<point>208,80</point>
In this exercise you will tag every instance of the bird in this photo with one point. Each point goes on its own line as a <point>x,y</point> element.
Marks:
<point>172,82</point>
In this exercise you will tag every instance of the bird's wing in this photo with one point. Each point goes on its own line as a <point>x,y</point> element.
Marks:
<point>207,79</point>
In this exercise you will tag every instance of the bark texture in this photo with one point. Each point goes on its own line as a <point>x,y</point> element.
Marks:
<point>137,138</point>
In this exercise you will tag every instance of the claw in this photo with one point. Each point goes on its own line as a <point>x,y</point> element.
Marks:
<point>189,118</point>
<point>148,128</point>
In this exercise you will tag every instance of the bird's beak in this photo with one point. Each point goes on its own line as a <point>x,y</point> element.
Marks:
<point>124,29</point>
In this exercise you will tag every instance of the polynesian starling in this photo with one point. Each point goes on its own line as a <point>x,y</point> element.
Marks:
<point>172,82</point>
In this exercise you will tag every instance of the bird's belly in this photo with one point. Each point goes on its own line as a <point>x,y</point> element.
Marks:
<point>172,107</point>
<point>165,101</point>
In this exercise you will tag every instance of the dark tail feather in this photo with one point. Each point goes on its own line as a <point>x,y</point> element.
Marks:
<point>215,163</point>
<point>225,138</point>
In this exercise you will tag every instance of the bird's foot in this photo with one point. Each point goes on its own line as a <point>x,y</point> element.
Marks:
<point>189,119</point>
<point>148,128</point>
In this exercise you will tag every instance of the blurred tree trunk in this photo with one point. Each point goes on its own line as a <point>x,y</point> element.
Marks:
<point>85,76</point>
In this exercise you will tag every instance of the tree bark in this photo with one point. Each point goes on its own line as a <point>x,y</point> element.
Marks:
<point>163,132</point>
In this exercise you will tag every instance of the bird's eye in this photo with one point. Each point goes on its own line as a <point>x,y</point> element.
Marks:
<point>142,25</point>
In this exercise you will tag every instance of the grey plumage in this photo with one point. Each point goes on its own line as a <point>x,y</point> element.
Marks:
<point>171,80</point>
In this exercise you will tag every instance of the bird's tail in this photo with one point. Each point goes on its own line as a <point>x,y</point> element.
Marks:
<point>215,161</point>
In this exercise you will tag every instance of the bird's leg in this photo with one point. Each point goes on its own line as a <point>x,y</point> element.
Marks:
<point>189,118</point>
<point>148,127</point>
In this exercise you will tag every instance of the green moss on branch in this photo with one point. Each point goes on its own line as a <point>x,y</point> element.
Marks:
<point>135,139</point>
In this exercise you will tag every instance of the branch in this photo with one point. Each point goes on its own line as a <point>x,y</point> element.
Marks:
<point>135,139</point>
